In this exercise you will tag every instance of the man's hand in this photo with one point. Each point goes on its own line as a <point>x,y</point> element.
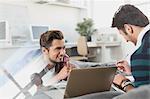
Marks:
<point>123,82</point>
<point>118,79</point>
<point>124,66</point>
<point>65,71</point>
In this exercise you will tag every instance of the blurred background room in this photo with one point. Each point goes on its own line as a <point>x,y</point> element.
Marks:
<point>22,22</point>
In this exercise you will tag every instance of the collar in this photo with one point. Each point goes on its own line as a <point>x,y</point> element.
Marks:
<point>139,40</point>
<point>141,35</point>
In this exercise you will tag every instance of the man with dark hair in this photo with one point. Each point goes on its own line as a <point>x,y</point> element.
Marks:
<point>134,26</point>
<point>53,49</point>
<point>55,59</point>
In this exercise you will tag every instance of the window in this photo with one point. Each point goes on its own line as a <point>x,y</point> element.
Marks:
<point>4,31</point>
<point>37,30</point>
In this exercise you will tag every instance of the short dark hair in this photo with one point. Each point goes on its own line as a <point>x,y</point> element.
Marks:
<point>129,14</point>
<point>47,37</point>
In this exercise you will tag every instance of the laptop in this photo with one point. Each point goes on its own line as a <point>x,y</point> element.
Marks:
<point>89,80</point>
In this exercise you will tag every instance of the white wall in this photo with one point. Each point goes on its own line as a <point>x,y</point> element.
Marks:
<point>103,12</point>
<point>21,14</point>
<point>58,17</point>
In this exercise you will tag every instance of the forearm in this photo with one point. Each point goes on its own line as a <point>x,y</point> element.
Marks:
<point>55,79</point>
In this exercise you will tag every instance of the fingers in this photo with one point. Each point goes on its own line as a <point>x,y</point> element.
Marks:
<point>121,61</point>
<point>65,71</point>
<point>69,68</point>
<point>118,79</point>
<point>120,67</point>
<point>122,64</point>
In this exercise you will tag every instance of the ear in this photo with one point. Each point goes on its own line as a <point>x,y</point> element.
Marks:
<point>128,29</point>
<point>44,51</point>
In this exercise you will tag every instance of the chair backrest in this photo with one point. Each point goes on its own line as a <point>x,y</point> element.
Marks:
<point>82,47</point>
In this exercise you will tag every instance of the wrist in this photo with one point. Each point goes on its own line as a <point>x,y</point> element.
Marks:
<point>126,83</point>
<point>128,87</point>
<point>55,79</point>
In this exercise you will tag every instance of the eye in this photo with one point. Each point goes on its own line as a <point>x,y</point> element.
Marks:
<point>58,48</point>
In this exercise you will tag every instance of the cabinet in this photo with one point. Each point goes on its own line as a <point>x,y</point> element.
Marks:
<point>105,50</point>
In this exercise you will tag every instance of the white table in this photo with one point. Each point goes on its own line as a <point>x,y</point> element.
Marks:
<point>98,46</point>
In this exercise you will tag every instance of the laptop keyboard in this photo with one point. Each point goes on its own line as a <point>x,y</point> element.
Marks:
<point>104,65</point>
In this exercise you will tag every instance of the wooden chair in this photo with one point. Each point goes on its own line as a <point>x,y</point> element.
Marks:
<point>82,49</point>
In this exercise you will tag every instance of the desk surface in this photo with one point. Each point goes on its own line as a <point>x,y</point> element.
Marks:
<point>70,45</point>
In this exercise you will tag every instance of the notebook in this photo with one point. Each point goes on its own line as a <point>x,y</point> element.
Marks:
<point>89,80</point>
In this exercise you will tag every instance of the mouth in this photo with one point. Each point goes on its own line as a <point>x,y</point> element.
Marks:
<point>61,59</point>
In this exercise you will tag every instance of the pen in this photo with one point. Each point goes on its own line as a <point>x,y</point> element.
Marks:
<point>124,58</point>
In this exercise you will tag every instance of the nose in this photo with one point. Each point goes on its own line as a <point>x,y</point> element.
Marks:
<point>62,51</point>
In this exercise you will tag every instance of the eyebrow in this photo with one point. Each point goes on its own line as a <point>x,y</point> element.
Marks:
<point>60,47</point>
